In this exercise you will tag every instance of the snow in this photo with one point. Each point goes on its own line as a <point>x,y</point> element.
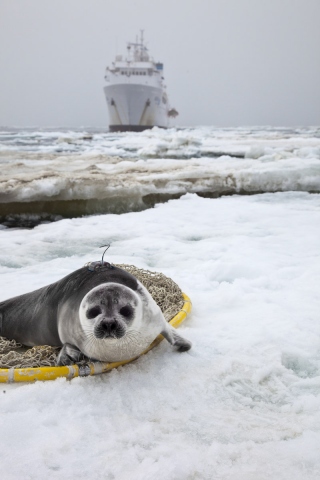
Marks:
<point>126,169</point>
<point>243,403</point>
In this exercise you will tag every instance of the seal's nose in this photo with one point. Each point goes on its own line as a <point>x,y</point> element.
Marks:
<point>108,327</point>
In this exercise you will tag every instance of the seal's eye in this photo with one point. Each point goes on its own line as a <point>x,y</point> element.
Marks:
<point>93,312</point>
<point>126,311</point>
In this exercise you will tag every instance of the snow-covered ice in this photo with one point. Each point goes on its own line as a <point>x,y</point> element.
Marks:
<point>243,404</point>
<point>120,172</point>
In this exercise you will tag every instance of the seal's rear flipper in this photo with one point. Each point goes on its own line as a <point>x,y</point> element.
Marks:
<point>69,355</point>
<point>173,337</point>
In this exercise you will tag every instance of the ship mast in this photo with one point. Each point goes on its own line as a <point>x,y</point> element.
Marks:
<point>140,52</point>
<point>141,46</point>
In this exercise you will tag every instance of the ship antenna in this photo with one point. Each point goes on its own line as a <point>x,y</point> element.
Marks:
<point>141,48</point>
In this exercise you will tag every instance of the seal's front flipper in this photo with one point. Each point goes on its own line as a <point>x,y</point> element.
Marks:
<point>173,337</point>
<point>69,354</point>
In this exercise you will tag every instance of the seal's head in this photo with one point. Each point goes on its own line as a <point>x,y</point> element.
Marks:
<point>112,320</point>
<point>108,310</point>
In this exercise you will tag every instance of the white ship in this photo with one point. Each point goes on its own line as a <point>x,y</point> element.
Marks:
<point>135,91</point>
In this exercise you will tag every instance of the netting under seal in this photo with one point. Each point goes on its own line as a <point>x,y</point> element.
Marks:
<point>166,293</point>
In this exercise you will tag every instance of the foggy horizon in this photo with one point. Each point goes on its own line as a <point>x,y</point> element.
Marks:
<point>226,64</point>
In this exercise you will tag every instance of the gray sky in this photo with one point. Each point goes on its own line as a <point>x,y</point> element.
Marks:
<point>227,62</point>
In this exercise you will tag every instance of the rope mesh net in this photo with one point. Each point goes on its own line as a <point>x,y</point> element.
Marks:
<point>163,290</point>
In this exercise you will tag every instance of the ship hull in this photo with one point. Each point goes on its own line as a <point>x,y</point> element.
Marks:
<point>134,107</point>
<point>131,128</point>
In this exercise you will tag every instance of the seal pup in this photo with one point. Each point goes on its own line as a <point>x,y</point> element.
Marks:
<point>104,313</point>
